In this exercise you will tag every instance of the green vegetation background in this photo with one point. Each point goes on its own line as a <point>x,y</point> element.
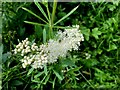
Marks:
<point>100,25</point>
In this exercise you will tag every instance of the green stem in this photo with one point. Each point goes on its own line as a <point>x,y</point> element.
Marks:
<point>52,18</point>
<point>53,11</point>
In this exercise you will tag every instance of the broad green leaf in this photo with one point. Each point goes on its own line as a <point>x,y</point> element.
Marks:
<point>96,33</point>
<point>33,14</point>
<point>66,15</point>
<point>30,71</point>
<point>58,75</point>
<point>41,9</point>
<point>44,36</point>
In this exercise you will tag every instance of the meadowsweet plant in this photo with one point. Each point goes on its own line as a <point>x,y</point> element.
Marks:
<point>39,55</point>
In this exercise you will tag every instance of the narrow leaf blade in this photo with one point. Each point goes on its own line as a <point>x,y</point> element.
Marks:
<point>66,15</point>
<point>41,9</point>
<point>33,14</point>
<point>58,75</point>
<point>30,71</point>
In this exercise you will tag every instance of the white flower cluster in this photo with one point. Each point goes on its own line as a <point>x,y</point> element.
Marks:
<point>66,41</point>
<point>49,53</point>
<point>23,47</point>
<point>33,55</point>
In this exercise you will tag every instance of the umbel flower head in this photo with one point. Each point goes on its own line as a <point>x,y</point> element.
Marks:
<point>38,56</point>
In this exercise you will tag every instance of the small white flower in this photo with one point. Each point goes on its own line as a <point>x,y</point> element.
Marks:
<point>22,54</point>
<point>21,47</point>
<point>23,65</point>
<point>33,49</point>
<point>19,50</point>
<point>25,62</point>
<point>23,51</point>
<point>27,42</point>
<point>29,62</point>
<point>26,45</point>
<point>28,50</point>
<point>17,46</point>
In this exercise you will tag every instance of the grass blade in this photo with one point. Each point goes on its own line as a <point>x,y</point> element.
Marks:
<point>59,27</point>
<point>66,15</point>
<point>34,23</point>
<point>58,75</point>
<point>30,71</point>
<point>41,9</point>
<point>33,14</point>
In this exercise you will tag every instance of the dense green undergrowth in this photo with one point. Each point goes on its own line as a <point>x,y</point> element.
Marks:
<point>95,65</point>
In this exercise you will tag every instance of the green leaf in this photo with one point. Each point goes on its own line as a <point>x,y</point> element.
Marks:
<point>39,74</point>
<point>112,46</point>
<point>67,62</point>
<point>17,82</point>
<point>38,31</point>
<point>41,9</point>
<point>21,31</point>
<point>44,36</point>
<point>86,33</point>
<point>96,33</point>
<point>90,62</point>
<point>45,3</point>
<point>111,7</point>
<point>58,75</point>
<point>5,56</point>
<point>33,14</point>
<point>99,51</point>
<point>75,69</point>
<point>45,70</point>
<point>35,23</point>
<point>46,79</point>
<point>66,15</point>
<point>30,71</point>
